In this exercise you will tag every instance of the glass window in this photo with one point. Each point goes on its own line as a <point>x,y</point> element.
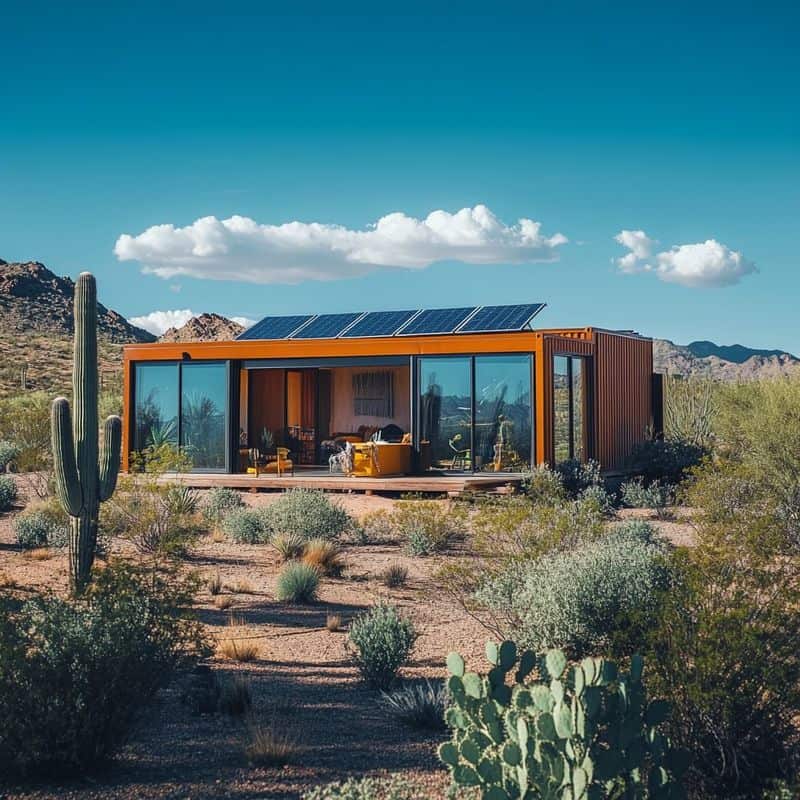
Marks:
<point>156,405</point>
<point>446,413</point>
<point>204,400</point>
<point>503,413</point>
<point>562,449</point>
<point>577,381</point>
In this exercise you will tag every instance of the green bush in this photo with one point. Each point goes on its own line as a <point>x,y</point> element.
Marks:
<point>8,492</point>
<point>587,731</point>
<point>297,583</point>
<point>583,598</point>
<point>665,460</point>
<point>25,420</point>
<point>182,501</point>
<point>75,675</point>
<point>307,513</point>
<point>42,525</point>
<point>246,526</point>
<point>601,498</point>
<point>8,452</point>
<point>655,496</point>
<point>220,502</point>
<point>427,526</point>
<point>396,787</point>
<point>577,476</point>
<point>418,705</point>
<point>544,485</point>
<point>380,642</point>
<point>376,527</point>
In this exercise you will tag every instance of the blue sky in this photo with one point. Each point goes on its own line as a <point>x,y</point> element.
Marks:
<point>680,121</point>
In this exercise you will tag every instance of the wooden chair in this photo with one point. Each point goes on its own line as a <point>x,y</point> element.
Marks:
<point>460,457</point>
<point>281,464</point>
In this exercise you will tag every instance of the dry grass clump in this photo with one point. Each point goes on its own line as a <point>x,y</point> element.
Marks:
<point>237,646</point>
<point>6,581</point>
<point>324,556</point>
<point>235,697</point>
<point>265,746</point>
<point>289,545</point>
<point>217,536</point>
<point>242,587</point>
<point>39,554</point>
<point>214,584</point>
<point>223,601</point>
<point>333,622</point>
<point>394,576</point>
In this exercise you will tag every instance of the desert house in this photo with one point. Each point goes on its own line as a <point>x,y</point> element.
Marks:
<point>423,392</point>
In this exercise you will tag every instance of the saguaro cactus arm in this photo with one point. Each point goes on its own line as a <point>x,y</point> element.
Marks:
<point>68,485</point>
<point>109,456</point>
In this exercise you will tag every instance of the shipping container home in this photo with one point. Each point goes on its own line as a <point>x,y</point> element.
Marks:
<point>460,391</point>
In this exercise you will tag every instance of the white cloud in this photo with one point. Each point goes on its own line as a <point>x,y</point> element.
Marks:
<point>245,322</point>
<point>159,322</point>
<point>241,249</point>
<point>708,264</point>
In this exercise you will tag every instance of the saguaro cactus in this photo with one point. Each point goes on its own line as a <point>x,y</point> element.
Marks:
<point>83,482</point>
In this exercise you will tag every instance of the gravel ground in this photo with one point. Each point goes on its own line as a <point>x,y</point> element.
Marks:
<point>301,680</point>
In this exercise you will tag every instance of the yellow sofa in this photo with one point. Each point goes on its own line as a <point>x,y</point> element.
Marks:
<point>381,459</point>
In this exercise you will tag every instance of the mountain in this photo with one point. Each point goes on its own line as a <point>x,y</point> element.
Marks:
<point>721,362</point>
<point>36,327</point>
<point>204,328</point>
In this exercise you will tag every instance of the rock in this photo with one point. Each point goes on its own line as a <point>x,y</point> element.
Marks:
<point>205,328</point>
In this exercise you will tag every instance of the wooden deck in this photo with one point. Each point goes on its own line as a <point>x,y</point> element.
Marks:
<point>452,485</point>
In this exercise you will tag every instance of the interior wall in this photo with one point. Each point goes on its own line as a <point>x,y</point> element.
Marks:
<point>344,420</point>
<point>266,392</point>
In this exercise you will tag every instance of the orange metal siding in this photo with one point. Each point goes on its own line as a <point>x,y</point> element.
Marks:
<point>623,406</point>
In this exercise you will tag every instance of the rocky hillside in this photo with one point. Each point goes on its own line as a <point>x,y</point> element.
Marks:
<point>36,327</point>
<point>205,328</point>
<point>721,362</point>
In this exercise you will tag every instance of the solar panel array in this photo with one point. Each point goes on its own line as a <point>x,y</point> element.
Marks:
<point>472,319</point>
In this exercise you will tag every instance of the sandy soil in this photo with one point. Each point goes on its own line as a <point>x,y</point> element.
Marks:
<point>302,680</point>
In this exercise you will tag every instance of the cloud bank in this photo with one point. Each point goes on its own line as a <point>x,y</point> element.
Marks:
<point>708,264</point>
<point>159,322</point>
<point>241,249</point>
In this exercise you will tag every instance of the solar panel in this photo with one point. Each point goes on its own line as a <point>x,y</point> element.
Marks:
<point>436,320</point>
<point>501,318</point>
<point>378,323</point>
<point>275,327</point>
<point>326,326</point>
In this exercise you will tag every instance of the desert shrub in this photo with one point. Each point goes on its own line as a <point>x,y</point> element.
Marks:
<point>418,705</point>
<point>598,495</point>
<point>8,492</point>
<point>182,501</point>
<point>583,598</point>
<point>654,496</point>
<point>544,485</point>
<point>665,460</point>
<point>427,526</point>
<point>377,527</point>
<point>583,731</point>
<point>307,513</point>
<point>246,526</point>
<point>333,622</point>
<point>726,650</point>
<point>395,576</point>
<point>324,556</point>
<point>395,787</point>
<point>577,476</point>
<point>143,512</point>
<point>9,452</point>
<point>690,410</point>
<point>297,583</point>
<point>289,545</point>
<point>235,698</point>
<point>74,675</point>
<point>266,746</point>
<point>42,525</point>
<point>219,502</point>
<point>380,642</point>
<point>25,420</point>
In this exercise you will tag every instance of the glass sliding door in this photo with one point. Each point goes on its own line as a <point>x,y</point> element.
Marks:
<point>570,409</point>
<point>503,413</point>
<point>204,404</point>
<point>445,385</point>
<point>155,405</point>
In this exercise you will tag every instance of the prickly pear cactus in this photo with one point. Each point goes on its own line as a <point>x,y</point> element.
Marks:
<point>83,482</point>
<point>558,732</point>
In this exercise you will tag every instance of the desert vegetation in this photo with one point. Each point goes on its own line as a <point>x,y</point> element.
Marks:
<point>635,639</point>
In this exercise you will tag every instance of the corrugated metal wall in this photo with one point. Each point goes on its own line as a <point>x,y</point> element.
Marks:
<point>623,403</point>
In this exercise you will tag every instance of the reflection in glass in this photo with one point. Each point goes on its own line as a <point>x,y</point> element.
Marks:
<point>578,448</point>
<point>503,413</point>
<point>156,405</point>
<point>446,413</point>
<point>561,409</point>
<point>203,404</point>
